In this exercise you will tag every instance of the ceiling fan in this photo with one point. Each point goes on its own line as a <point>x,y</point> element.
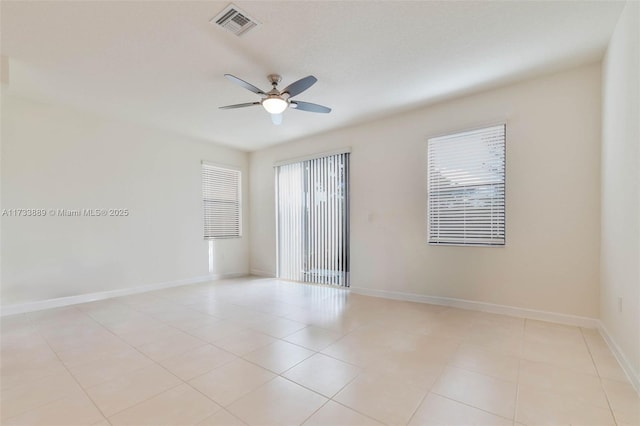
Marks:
<point>275,101</point>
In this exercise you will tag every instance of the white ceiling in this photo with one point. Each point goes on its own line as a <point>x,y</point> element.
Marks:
<point>162,63</point>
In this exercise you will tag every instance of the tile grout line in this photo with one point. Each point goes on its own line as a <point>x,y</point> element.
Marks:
<point>144,355</point>
<point>517,401</point>
<point>236,355</point>
<point>290,380</point>
<point>226,407</point>
<point>70,373</point>
<point>185,382</point>
<point>269,370</point>
<point>141,402</point>
<point>446,365</point>
<point>305,387</point>
<point>210,399</point>
<point>281,339</point>
<point>314,412</point>
<point>352,408</point>
<point>355,410</point>
<point>47,376</point>
<point>606,395</point>
<point>472,406</point>
<point>423,398</point>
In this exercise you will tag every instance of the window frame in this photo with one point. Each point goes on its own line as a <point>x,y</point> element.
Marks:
<point>451,133</point>
<point>229,168</point>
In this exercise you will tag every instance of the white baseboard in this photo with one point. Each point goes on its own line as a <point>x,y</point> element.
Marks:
<point>633,377</point>
<point>259,273</point>
<point>483,307</point>
<point>22,308</point>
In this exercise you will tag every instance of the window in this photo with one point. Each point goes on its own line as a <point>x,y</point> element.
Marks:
<point>221,201</point>
<point>466,188</point>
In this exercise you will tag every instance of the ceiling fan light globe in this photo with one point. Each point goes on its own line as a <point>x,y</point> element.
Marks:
<point>274,105</point>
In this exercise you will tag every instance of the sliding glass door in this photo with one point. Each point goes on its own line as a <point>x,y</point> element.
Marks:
<point>313,220</point>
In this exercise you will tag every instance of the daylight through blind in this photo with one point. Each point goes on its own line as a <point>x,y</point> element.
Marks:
<point>466,187</point>
<point>221,202</point>
<point>313,220</point>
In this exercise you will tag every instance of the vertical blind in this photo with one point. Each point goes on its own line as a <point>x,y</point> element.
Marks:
<point>466,187</point>
<point>313,220</point>
<point>221,200</point>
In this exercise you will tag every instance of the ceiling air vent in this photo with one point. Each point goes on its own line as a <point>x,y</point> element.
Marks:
<point>235,20</point>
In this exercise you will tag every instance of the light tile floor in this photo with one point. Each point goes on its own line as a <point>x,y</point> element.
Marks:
<point>268,352</point>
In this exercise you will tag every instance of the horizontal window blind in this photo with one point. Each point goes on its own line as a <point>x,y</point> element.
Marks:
<point>221,200</point>
<point>466,187</point>
<point>313,220</point>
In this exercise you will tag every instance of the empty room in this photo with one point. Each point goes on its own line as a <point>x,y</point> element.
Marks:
<point>320,213</point>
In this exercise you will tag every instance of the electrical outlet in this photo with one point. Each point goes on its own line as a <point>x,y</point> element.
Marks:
<point>620,304</point>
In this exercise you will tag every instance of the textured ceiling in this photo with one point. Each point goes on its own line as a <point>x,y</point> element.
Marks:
<point>162,63</point>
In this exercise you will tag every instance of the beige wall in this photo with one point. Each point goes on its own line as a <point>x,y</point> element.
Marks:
<point>54,157</point>
<point>551,260</point>
<point>620,294</point>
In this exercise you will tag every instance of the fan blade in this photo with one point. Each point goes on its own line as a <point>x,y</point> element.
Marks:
<point>276,119</point>
<point>244,84</point>
<point>239,105</point>
<point>300,86</point>
<point>308,106</point>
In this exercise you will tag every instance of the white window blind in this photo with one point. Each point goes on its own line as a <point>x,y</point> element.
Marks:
<point>313,220</point>
<point>466,187</point>
<point>221,200</point>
